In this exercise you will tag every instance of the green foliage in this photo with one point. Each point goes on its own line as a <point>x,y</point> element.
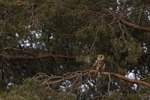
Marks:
<point>32,89</point>
<point>81,29</point>
<point>132,96</point>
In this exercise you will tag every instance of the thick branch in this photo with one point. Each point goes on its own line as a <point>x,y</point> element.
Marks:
<point>127,79</point>
<point>129,24</point>
<point>40,57</point>
<point>53,80</point>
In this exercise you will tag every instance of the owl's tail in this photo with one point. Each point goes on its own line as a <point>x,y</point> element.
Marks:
<point>98,74</point>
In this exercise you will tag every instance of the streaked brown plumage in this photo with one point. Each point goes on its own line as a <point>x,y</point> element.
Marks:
<point>99,64</point>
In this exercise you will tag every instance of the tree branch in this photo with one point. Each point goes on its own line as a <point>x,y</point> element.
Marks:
<point>39,57</point>
<point>129,24</point>
<point>54,80</point>
<point>127,79</point>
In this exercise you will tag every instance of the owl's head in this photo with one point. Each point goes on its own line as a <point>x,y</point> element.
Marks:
<point>101,57</point>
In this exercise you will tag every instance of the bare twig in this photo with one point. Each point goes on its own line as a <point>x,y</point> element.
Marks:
<point>109,84</point>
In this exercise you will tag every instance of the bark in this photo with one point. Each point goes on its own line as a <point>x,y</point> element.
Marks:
<point>75,75</point>
<point>38,57</point>
<point>129,24</point>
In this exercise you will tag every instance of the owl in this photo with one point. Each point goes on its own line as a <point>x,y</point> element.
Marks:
<point>99,64</point>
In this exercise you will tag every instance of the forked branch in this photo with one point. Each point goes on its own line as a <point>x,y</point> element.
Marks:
<point>52,80</point>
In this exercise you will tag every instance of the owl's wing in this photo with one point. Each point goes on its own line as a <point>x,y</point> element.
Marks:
<point>94,65</point>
